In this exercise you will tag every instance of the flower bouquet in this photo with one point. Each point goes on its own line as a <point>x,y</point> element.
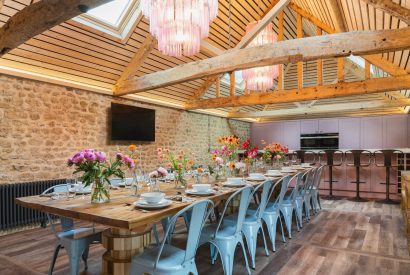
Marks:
<point>229,150</point>
<point>275,152</point>
<point>154,175</point>
<point>96,171</point>
<point>179,163</point>
<point>250,153</point>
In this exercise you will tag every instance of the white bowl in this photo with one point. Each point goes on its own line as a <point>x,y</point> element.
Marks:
<point>286,169</point>
<point>256,176</point>
<point>201,187</point>
<point>234,180</point>
<point>153,197</point>
<point>304,165</point>
<point>273,172</point>
<point>128,181</point>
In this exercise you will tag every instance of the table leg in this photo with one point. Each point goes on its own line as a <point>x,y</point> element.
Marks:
<point>122,245</point>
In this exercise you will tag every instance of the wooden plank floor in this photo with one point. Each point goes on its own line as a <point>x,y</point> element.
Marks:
<point>345,238</point>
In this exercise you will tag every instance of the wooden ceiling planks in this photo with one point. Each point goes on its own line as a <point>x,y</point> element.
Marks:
<point>74,52</point>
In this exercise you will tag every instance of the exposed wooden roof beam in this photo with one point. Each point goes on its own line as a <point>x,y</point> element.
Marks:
<point>266,19</point>
<point>376,60</point>
<point>138,59</point>
<point>305,49</point>
<point>39,17</point>
<point>340,107</point>
<point>392,8</point>
<point>344,89</point>
<point>337,15</point>
<point>1,4</point>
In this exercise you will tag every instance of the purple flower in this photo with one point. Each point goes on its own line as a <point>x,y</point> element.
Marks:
<point>77,158</point>
<point>89,155</point>
<point>119,156</point>
<point>162,172</point>
<point>128,161</point>
<point>101,157</point>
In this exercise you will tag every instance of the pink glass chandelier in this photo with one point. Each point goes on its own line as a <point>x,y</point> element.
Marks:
<point>179,25</point>
<point>261,78</point>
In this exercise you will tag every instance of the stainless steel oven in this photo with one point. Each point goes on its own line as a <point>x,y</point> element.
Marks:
<point>319,141</point>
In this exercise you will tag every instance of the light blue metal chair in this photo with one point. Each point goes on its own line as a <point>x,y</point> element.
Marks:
<point>293,203</point>
<point>75,241</point>
<point>271,215</point>
<point>314,191</point>
<point>252,224</point>
<point>225,236</point>
<point>306,194</point>
<point>168,259</point>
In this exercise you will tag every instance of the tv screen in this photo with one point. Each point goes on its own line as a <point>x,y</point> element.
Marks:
<point>132,123</point>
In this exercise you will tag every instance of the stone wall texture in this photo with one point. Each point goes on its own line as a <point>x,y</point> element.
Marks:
<point>42,124</point>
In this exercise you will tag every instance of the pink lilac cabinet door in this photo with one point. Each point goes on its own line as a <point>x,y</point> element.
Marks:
<point>329,125</point>
<point>349,133</point>
<point>395,131</point>
<point>309,126</point>
<point>291,134</point>
<point>269,132</point>
<point>371,132</point>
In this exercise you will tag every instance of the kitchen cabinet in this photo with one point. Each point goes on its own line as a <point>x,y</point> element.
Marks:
<point>371,132</point>
<point>349,133</point>
<point>309,126</point>
<point>394,134</point>
<point>291,134</point>
<point>328,125</point>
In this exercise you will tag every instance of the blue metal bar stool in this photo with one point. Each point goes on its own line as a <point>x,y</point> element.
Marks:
<point>358,156</point>
<point>388,155</point>
<point>75,240</point>
<point>329,156</point>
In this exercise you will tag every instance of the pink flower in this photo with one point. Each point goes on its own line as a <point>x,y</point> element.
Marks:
<point>77,158</point>
<point>159,150</point>
<point>179,165</point>
<point>153,174</point>
<point>90,155</point>
<point>128,161</point>
<point>162,172</point>
<point>101,157</point>
<point>219,161</point>
<point>278,157</point>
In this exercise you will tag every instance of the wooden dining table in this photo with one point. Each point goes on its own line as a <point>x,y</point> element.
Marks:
<point>128,228</point>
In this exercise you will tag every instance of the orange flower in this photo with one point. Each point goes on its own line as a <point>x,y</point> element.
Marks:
<point>214,157</point>
<point>132,147</point>
<point>191,161</point>
<point>232,165</point>
<point>200,170</point>
<point>136,161</point>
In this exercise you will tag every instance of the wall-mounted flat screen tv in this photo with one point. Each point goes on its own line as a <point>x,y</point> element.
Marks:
<point>132,123</point>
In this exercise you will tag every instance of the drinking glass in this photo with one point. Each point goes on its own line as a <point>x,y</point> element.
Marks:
<point>71,188</point>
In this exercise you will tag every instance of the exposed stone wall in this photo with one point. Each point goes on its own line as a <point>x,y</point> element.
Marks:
<point>41,125</point>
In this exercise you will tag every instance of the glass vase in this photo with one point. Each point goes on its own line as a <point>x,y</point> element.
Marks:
<point>100,191</point>
<point>179,179</point>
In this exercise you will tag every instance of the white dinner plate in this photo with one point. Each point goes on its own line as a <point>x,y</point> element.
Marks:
<point>255,179</point>
<point>80,192</point>
<point>143,204</point>
<point>200,193</point>
<point>274,175</point>
<point>230,184</point>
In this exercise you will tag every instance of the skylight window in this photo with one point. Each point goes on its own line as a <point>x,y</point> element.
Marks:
<point>111,12</point>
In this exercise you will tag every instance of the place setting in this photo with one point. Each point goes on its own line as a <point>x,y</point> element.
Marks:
<point>255,177</point>
<point>234,183</point>
<point>273,173</point>
<point>152,200</point>
<point>200,189</point>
